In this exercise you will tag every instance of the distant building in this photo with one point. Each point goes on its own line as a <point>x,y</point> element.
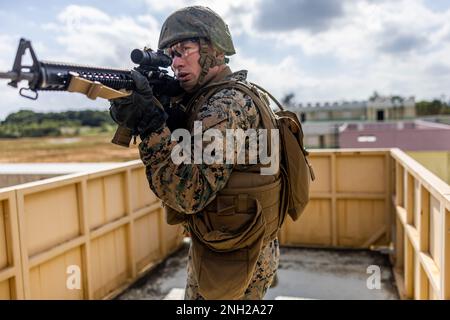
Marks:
<point>391,108</point>
<point>377,109</point>
<point>321,134</point>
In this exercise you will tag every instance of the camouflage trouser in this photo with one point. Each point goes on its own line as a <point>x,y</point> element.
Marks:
<point>263,275</point>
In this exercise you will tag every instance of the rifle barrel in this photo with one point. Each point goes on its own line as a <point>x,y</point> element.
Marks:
<point>15,76</point>
<point>8,75</point>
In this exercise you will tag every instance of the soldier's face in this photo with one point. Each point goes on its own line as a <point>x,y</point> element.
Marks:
<point>185,63</point>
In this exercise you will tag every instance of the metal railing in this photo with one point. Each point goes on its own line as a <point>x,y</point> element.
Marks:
<point>109,225</point>
<point>105,227</point>
<point>422,243</point>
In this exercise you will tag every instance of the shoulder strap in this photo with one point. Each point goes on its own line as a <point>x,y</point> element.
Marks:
<point>204,93</point>
<point>268,117</point>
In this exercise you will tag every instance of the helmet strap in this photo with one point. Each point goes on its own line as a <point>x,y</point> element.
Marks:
<point>207,60</point>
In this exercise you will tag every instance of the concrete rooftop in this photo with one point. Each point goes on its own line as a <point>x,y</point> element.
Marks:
<point>303,274</point>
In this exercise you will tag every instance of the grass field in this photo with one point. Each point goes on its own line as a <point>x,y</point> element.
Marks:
<point>95,148</point>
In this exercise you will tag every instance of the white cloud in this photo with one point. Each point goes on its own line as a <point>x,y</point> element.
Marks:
<point>87,36</point>
<point>98,38</point>
<point>397,47</point>
<point>219,6</point>
<point>164,6</point>
<point>358,35</point>
<point>391,46</point>
<point>237,13</point>
<point>276,78</point>
<point>7,51</point>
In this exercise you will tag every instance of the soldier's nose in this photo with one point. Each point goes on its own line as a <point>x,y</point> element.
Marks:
<point>177,62</point>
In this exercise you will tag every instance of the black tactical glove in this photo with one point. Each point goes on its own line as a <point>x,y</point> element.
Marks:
<point>137,111</point>
<point>177,118</point>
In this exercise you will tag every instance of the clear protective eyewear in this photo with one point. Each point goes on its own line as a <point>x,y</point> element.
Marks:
<point>182,49</point>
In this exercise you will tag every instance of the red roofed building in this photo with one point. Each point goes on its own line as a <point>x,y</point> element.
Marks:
<point>408,135</point>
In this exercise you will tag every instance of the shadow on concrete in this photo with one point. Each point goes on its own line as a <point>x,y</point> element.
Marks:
<point>303,273</point>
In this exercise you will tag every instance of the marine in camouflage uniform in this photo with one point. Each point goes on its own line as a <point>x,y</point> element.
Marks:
<point>263,276</point>
<point>189,188</point>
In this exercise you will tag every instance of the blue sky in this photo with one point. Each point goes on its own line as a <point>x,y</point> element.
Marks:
<point>321,50</point>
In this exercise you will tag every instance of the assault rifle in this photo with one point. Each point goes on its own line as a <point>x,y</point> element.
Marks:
<point>92,81</point>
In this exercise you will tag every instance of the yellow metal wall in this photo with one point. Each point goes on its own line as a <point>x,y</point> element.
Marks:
<point>437,162</point>
<point>362,198</point>
<point>10,266</point>
<point>108,224</point>
<point>112,227</point>
<point>349,206</point>
<point>422,246</point>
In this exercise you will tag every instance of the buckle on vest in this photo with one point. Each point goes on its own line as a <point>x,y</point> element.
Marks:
<point>242,202</point>
<point>225,205</point>
<point>229,205</point>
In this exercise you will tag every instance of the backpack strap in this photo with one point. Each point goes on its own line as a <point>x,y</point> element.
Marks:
<point>294,120</point>
<point>269,94</point>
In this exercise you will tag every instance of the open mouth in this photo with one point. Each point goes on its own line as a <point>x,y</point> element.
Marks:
<point>183,76</point>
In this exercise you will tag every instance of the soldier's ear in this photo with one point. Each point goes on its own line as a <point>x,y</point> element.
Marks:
<point>219,57</point>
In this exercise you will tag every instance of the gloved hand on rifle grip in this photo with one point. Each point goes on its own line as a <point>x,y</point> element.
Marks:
<point>137,111</point>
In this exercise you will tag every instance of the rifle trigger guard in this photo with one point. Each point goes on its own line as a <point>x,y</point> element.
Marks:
<point>27,96</point>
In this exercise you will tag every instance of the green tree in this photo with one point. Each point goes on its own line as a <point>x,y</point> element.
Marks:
<point>27,123</point>
<point>435,107</point>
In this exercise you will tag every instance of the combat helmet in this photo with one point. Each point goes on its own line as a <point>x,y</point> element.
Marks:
<point>200,23</point>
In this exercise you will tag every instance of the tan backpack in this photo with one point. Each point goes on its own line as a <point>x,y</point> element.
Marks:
<point>295,167</point>
<point>295,162</point>
<point>228,234</point>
